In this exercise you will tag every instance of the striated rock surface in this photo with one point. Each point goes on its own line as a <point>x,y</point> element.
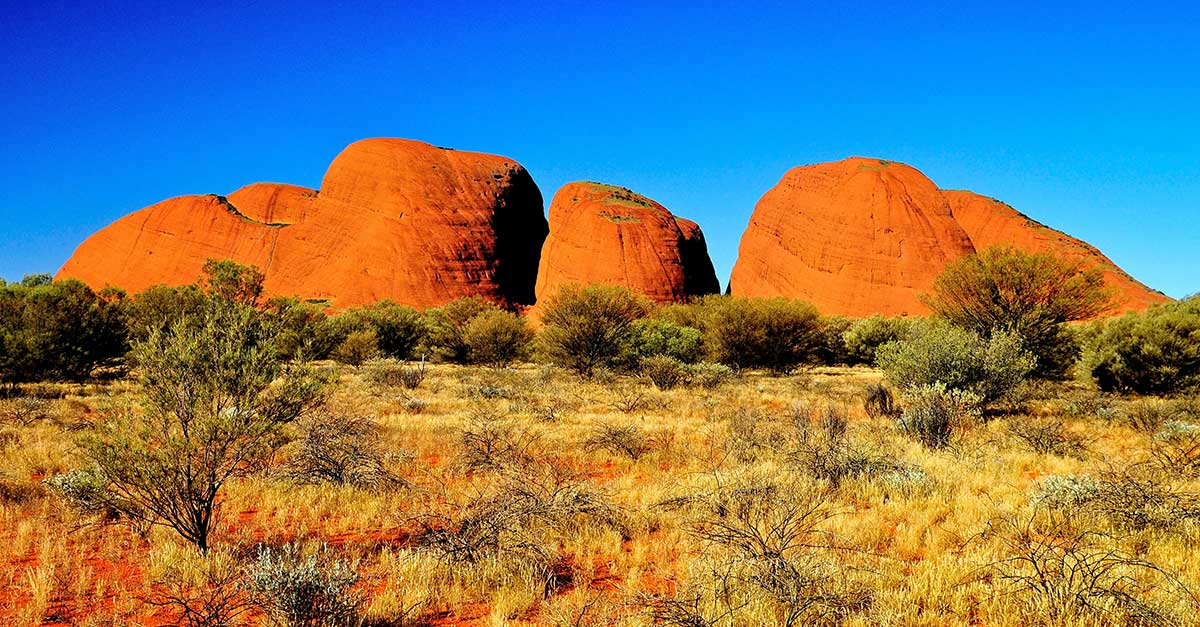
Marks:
<point>854,237</point>
<point>274,203</point>
<point>607,234</point>
<point>418,224</point>
<point>395,219</point>
<point>168,243</point>
<point>864,236</point>
<point>989,222</point>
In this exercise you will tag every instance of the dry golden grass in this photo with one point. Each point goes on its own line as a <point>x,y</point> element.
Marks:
<point>603,495</point>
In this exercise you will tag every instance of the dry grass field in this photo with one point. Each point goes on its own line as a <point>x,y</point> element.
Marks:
<point>527,496</point>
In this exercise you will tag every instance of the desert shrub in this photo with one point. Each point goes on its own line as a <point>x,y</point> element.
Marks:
<point>298,590</point>
<point>932,412</point>
<point>446,327</point>
<point>772,333</point>
<point>302,329</point>
<point>1177,448</point>
<point>15,491</point>
<point>399,330</point>
<point>215,397</point>
<point>590,327</point>
<point>709,375</point>
<point>1048,437</point>
<point>1065,492</point>
<point>232,281</point>
<point>339,448</point>
<point>656,336</point>
<point>1131,498</point>
<point>865,336</point>
<point>1029,295</point>
<point>23,410</point>
<point>357,348</point>
<point>664,371</point>
<point>497,338</point>
<point>1149,414</point>
<point>1153,352</point>
<point>831,348</point>
<point>823,448</point>
<point>84,491</point>
<point>210,593</point>
<point>1064,576</point>
<point>387,373</point>
<point>491,443</point>
<point>626,440</point>
<point>765,545</point>
<point>58,331</point>
<point>989,369</point>
<point>160,307</point>
<point>880,402</point>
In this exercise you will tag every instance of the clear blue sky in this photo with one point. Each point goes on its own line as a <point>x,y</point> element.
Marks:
<point>1086,116</point>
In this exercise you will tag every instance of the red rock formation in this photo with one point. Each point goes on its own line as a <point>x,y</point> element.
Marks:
<point>607,234</point>
<point>864,236</point>
<point>395,219</point>
<point>989,222</point>
<point>854,237</point>
<point>168,243</point>
<point>274,203</point>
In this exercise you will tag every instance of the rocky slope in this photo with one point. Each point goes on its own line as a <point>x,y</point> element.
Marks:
<point>394,219</point>
<point>863,236</point>
<point>607,234</point>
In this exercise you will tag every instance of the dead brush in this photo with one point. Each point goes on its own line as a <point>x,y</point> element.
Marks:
<point>24,410</point>
<point>629,399</point>
<point>1048,437</point>
<point>625,440</point>
<point>489,442</point>
<point>764,542</point>
<point>880,402</point>
<point>822,446</point>
<point>1136,497</point>
<point>391,374</point>
<point>212,595</point>
<point>1056,574</point>
<point>1176,449</point>
<point>342,449</point>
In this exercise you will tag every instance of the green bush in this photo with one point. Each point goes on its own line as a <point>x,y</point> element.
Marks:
<point>57,331</point>
<point>933,411</point>
<point>160,307</point>
<point>591,327</point>
<point>446,327</point>
<point>399,329</point>
<point>1030,295</point>
<point>989,369</point>
<point>655,336</point>
<point>772,333</point>
<point>497,338</point>
<point>709,376</point>
<point>831,349</point>
<point>358,348</point>
<point>664,371</point>
<point>865,336</point>
<point>301,327</point>
<point>1153,352</point>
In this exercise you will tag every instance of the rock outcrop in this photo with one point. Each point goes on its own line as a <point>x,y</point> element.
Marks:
<point>989,222</point>
<point>607,234</point>
<point>864,236</point>
<point>394,219</point>
<point>853,237</point>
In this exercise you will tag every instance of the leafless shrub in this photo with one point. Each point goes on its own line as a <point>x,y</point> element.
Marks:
<point>24,410</point>
<point>764,540</point>
<point>627,440</point>
<point>1048,437</point>
<point>340,448</point>
<point>1150,414</point>
<point>389,374</point>
<point>1176,448</point>
<point>215,596</point>
<point>491,443</point>
<point>880,402</point>
<point>1132,498</point>
<point>14,491</point>
<point>1060,575</point>
<point>631,398</point>
<point>823,448</point>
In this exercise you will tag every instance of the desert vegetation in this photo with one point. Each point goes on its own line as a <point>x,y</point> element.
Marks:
<point>202,456</point>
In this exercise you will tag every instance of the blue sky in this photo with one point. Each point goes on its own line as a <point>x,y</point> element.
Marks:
<point>1086,116</point>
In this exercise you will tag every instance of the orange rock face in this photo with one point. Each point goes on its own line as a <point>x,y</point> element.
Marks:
<point>853,237</point>
<point>274,203</point>
<point>607,234</point>
<point>395,219</point>
<point>864,236</point>
<point>989,222</point>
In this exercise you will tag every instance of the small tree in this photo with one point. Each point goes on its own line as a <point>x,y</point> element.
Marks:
<point>497,338</point>
<point>656,336</point>
<point>590,327</point>
<point>865,336</point>
<point>446,327</point>
<point>357,348</point>
<point>399,329</point>
<point>215,398</point>
<point>1153,352</point>
<point>1031,295</point>
<point>233,281</point>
